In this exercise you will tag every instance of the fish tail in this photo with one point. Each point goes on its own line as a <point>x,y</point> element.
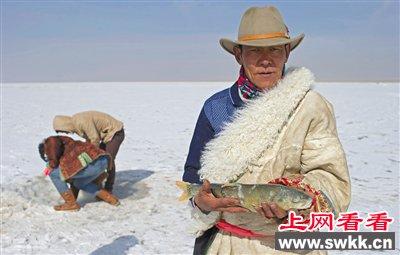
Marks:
<point>185,187</point>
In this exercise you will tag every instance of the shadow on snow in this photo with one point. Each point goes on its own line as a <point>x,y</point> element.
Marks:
<point>119,246</point>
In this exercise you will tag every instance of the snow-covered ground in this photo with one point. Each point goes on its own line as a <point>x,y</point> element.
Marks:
<point>159,120</point>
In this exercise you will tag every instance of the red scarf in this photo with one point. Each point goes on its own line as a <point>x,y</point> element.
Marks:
<point>246,87</point>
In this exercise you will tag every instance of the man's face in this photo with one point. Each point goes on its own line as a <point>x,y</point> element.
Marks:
<point>263,65</point>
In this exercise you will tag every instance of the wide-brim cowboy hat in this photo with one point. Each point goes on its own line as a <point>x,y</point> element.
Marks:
<point>262,26</point>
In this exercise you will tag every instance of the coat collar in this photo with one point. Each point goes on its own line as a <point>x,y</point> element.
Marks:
<point>234,95</point>
<point>228,156</point>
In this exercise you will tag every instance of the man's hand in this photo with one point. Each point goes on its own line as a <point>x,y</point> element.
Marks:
<point>47,171</point>
<point>207,202</point>
<point>102,146</point>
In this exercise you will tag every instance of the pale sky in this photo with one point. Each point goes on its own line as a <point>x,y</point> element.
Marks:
<point>118,41</point>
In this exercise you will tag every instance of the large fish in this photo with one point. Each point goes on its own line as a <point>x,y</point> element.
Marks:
<point>252,195</point>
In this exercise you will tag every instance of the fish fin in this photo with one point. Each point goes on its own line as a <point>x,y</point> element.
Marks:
<point>185,187</point>
<point>185,196</point>
<point>229,184</point>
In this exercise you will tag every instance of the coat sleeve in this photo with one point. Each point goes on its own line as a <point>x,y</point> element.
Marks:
<point>203,133</point>
<point>53,148</point>
<point>323,160</point>
<point>93,134</point>
<point>88,130</point>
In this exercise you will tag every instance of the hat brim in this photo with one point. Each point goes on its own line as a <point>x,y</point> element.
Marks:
<point>228,44</point>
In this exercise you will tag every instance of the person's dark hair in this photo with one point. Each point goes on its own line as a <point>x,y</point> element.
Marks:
<point>62,131</point>
<point>41,151</point>
<point>239,46</point>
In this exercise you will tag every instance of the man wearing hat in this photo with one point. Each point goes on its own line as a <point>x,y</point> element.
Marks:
<point>268,127</point>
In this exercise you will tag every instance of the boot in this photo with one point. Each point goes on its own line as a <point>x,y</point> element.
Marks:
<point>70,202</point>
<point>99,182</point>
<point>107,197</point>
<point>75,191</point>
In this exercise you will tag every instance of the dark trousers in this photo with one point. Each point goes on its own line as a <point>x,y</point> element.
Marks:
<point>112,147</point>
<point>202,243</point>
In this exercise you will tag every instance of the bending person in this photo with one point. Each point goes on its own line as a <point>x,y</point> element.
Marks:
<point>78,163</point>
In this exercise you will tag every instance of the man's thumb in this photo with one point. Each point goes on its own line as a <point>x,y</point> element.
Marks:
<point>206,186</point>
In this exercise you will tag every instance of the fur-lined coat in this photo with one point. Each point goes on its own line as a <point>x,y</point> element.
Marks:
<point>289,131</point>
<point>70,155</point>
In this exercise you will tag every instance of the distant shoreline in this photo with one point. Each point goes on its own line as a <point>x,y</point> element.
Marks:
<point>130,82</point>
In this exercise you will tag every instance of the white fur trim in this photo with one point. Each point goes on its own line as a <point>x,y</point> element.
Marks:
<point>254,129</point>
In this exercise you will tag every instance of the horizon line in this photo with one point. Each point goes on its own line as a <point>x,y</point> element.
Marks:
<point>196,81</point>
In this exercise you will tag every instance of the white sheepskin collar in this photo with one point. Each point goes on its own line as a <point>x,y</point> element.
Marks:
<point>254,129</point>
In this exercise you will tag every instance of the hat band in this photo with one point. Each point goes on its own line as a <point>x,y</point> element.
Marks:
<point>262,36</point>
